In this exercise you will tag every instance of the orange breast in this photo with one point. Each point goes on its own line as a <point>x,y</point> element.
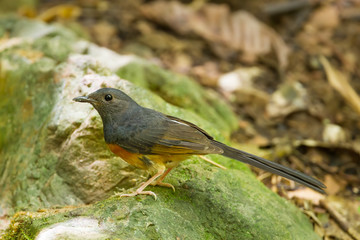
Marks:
<point>129,157</point>
<point>121,152</point>
<point>146,161</point>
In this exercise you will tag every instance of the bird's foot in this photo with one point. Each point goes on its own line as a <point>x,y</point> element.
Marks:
<point>137,193</point>
<point>151,181</point>
<point>162,184</point>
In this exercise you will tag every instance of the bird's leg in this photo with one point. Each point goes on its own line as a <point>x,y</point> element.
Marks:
<point>159,181</point>
<point>140,190</point>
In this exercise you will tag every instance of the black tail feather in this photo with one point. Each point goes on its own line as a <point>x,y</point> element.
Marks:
<point>272,167</point>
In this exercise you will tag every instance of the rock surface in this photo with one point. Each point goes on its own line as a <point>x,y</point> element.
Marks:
<point>53,155</point>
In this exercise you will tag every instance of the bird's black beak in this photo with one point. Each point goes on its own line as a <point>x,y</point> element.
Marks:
<point>84,99</point>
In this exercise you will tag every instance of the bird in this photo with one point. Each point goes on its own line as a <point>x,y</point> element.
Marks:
<point>153,141</point>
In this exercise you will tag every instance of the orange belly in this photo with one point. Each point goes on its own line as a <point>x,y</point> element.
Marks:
<point>146,161</point>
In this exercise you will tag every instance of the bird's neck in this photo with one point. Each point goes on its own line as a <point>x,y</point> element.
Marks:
<point>116,119</point>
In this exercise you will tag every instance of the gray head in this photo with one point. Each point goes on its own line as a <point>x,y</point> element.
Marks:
<point>107,101</point>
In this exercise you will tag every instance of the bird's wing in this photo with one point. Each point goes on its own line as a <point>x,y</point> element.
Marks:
<point>167,135</point>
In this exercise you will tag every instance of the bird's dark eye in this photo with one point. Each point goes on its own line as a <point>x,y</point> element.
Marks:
<point>108,97</point>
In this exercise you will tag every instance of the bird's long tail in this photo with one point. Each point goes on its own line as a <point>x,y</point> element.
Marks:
<point>272,167</point>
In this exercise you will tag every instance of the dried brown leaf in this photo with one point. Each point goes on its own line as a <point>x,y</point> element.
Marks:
<point>172,14</point>
<point>208,73</point>
<point>341,84</point>
<point>227,32</point>
<point>333,184</point>
<point>307,194</point>
<point>325,17</point>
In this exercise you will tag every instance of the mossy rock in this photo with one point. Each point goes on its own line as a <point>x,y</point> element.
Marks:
<point>53,158</point>
<point>208,203</point>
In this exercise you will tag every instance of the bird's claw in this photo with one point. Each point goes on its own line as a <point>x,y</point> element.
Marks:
<point>138,193</point>
<point>162,184</point>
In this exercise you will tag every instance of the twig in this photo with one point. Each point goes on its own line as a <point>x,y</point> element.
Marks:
<point>340,220</point>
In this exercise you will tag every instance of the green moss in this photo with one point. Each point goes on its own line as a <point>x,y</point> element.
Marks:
<point>20,228</point>
<point>209,203</point>
<point>54,47</point>
<point>27,97</point>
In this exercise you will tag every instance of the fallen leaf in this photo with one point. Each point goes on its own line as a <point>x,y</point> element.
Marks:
<point>333,184</point>
<point>325,17</point>
<point>227,32</point>
<point>307,194</point>
<point>207,74</point>
<point>341,84</point>
<point>104,34</point>
<point>172,14</point>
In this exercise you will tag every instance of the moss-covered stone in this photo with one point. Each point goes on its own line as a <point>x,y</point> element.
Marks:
<point>27,96</point>
<point>208,203</point>
<point>53,155</point>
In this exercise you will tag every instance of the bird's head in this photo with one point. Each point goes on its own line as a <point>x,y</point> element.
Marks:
<point>107,100</point>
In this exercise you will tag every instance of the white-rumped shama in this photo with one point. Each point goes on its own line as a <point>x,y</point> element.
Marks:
<point>154,141</point>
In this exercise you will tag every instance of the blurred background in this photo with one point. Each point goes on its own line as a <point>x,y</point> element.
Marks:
<point>289,69</point>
